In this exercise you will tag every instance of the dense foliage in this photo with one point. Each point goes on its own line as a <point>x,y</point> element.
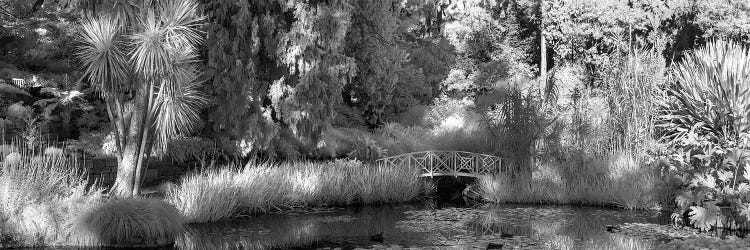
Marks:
<point>276,65</point>
<point>709,123</point>
<point>558,87</point>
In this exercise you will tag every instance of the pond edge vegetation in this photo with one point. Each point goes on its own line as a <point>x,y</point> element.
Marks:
<point>615,128</point>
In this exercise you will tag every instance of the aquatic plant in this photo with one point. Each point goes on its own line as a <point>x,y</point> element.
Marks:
<point>214,195</point>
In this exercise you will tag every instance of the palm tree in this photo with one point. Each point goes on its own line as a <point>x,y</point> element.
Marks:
<point>145,69</point>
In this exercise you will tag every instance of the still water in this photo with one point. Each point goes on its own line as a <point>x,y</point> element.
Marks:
<point>427,225</point>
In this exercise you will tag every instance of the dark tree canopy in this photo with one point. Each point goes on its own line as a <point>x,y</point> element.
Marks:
<point>276,65</point>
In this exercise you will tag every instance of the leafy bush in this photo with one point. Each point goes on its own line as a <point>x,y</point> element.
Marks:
<point>193,148</point>
<point>93,143</point>
<point>398,139</point>
<point>366,149</point>
<point>709,126</point>
<point>713,91</point>
<point>714,181</point>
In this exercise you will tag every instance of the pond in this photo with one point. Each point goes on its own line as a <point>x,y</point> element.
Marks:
<point>428,225</point>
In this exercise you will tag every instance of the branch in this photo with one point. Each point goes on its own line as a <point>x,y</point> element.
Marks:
<point>8,13</point>
<point>37,5</point>
<point>371,25</point>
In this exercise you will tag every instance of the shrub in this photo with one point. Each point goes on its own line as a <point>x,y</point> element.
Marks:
<point>365,149</point>
<point>398,139</point>
<point>709,125</point>
<point>135,222</point>
<point>713,89</point>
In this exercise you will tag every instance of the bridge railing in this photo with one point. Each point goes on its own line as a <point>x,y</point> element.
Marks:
<point>441,163</point>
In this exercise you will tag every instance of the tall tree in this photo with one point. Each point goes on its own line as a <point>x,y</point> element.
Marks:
<point>145,69</point>
<point>372,42</point>
<point>276,65</point>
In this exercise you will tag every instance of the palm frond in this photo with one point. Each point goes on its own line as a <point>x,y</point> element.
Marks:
<point>102,53</point>
<point>151,55</point>
<point>181,21</point>
<point>178,100</point>
<point>165,31</point>
<point>177,106</point>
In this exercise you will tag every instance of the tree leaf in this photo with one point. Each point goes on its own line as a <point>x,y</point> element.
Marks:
<point>685,199</point>
<point>705,217</point>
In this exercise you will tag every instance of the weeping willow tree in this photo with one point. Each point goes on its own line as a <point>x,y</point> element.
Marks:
<point>276,65</point>
<point>144,64</point>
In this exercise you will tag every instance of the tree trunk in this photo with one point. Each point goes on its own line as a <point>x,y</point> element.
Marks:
<point>144,148</point>
<point>143,167</point>
<point>543,63</point>
<point>126,168</point>
<point>123,186</point>
<point>542,46</point>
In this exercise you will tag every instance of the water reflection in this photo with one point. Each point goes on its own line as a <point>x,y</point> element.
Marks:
<point>548,227</point>
<point>560,227</point>
<point>331,228</point>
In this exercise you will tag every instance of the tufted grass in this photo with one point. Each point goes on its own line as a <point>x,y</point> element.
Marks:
<point>144,222</point>
<point>45,200</point>
<point>618,181</point>
<point>217,194</point>
<point>39,193</point>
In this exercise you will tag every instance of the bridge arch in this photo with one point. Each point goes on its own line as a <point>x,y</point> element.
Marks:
<point>447,163</point>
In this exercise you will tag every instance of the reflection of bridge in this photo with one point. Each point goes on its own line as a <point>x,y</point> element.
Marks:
<point>447,163</point>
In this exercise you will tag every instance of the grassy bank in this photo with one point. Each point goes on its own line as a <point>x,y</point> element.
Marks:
<point>218,194</point>
<point>45,201</point>
<point>618,180</point>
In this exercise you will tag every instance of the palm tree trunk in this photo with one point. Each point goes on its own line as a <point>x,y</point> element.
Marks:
<point>123,186</point>
<point>542,46</point>
<point>126,168</point>
<point>114,126</point>
<point>543,63</point>
<point>144,148</point>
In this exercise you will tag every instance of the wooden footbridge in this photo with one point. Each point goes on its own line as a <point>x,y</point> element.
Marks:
<point>447,163</point>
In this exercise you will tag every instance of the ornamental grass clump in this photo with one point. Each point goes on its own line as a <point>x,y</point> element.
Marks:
<point>39,194</point>
<point>132,222</point>
<point>213,195</point>
<point>45,200</point>
<point>618,181</point>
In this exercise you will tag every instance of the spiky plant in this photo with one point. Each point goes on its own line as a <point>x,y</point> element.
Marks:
<point>145,69</point>
<point>713,89</point>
